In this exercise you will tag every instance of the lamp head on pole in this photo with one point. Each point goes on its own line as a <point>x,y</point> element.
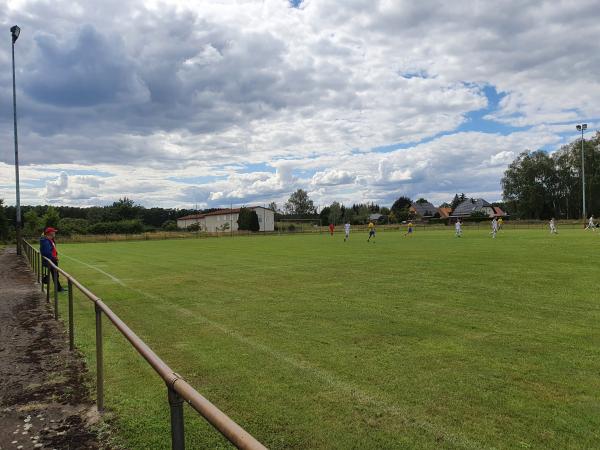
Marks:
<point>578,127</point>
<point>15,31</point>
<point>584,126</point>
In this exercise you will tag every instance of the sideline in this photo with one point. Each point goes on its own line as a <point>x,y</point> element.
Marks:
<point>112,277</point>
<point>346,388</point>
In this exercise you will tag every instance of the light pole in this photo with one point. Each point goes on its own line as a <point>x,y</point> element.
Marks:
<point>15,31</point>
<point>582,128</point>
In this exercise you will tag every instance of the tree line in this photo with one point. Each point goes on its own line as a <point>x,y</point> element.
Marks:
<point>541,185</point>
<point>536,185</point>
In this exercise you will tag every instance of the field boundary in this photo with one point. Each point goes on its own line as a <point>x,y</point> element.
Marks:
<point>178,389</point>
<point>396,227</point>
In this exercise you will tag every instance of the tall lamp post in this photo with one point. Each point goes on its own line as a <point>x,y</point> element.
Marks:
<point>15,31</point>
<point>582,128</point>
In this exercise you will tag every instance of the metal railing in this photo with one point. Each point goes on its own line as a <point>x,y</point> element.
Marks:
<point>178,390</point>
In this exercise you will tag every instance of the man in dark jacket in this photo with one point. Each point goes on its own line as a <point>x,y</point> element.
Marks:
<point>48,250</point>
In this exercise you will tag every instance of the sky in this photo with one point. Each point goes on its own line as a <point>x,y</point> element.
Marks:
<point>202,104</point>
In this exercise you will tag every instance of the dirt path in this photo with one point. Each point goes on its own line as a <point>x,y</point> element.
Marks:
<point>44,402</point>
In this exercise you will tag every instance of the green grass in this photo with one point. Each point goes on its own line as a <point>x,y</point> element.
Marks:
<point>310,342</point>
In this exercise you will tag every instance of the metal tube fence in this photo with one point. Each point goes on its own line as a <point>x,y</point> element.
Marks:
<point>178,390</point>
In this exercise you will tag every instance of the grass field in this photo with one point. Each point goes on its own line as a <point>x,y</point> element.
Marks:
<point>310,342</point>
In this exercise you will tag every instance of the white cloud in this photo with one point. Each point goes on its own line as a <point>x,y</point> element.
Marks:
<point>174,89</point>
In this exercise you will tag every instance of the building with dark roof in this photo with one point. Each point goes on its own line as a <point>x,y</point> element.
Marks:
<point>475,205</point>
<point>423,210</point>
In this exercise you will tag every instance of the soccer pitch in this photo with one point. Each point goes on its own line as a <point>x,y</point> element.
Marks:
<point>427,341</point>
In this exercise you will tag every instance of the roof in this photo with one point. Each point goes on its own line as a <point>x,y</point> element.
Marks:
<point>469,206</point>
<point>444,211</point>
<point>424,209</point>
<point>375,216</point>
<point>498,212</point>
<point>191,217</point>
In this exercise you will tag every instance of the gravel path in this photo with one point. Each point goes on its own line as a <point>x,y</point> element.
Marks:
<point>44,401</point>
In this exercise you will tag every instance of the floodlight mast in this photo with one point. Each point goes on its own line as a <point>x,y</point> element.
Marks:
<point>582,128</point>
<point>15,32</point>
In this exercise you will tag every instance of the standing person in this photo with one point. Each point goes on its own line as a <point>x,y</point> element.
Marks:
<point>331,228</point>
<point>347,231</point>
<point>494,227</point>
<point>48,250</point>
<point>553,229</point>
<point>371,232</point>
<point>591,225</point>
<point>410,229</point>
<point>500,223</point>
<point>458,228</point>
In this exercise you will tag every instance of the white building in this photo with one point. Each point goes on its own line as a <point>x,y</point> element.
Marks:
<point>226,219</point>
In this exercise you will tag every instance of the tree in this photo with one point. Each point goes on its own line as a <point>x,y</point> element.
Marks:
<point>254,224</point>
<point>272,206</point>
<point>300,204</point>
<point>335,214</point>
<point>125,209</point>
<point>400,208</point>
<point>422,200</point>
<point>32,224</point>
<point>531,184</point>
<point>401,204</point>
<point>457,200</point>
<point>324,215</point>
<point>244,219</point>
<point>51,218</point>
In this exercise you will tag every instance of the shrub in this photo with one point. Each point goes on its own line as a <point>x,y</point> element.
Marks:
<point>121,227</point>
<point>170,225</point>
<point>194,227</point>
<point>68,226</point>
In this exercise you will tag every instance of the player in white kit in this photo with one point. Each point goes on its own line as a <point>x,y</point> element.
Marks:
<point>458,228</point>
<point>591,225</point>
<point>494,228</point>
<point>553,229</point>
<point>347,231</point>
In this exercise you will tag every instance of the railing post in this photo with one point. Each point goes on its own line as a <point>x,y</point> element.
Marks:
<point>71,326</point>
<point>55,283</point>
<point>41,271</point>
<point>47,284</point>
<point>177,430</point>
<point>99,361</point>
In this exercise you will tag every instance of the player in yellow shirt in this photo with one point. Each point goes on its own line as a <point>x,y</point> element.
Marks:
<point>410,229</point>
<point>371,232</point>
<point>500,222</point>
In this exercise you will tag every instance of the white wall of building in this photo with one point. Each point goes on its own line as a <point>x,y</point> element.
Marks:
<point>216,222</point>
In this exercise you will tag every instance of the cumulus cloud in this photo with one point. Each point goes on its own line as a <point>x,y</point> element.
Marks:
<point>265,98</point>
<point>333,177</point>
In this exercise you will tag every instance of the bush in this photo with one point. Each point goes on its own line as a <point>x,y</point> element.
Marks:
<point>194,227</point>
<point>170,225</point>
<point>120,227</point>
<point>69,226</point>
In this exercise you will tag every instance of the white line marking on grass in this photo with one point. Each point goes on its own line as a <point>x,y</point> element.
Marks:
<point>349,389</point>
<point>112,277</point>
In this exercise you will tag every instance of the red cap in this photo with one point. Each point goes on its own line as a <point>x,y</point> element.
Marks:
<point>50,230</point>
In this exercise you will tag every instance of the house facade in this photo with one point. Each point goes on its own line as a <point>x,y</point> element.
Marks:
<point>226,220</point>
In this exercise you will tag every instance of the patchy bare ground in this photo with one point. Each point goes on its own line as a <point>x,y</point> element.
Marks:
<point>44,401</point>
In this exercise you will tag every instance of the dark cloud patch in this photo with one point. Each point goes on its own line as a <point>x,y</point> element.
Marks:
<point>90,72</point>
